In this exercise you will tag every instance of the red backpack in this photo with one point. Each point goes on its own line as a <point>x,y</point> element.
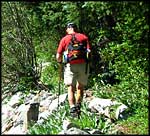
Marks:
<point>75,50</point>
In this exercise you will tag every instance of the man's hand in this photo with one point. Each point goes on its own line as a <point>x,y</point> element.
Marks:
<point>59,57</point>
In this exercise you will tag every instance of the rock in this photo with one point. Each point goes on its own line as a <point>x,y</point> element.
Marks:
<point>111,109</point>
<point>120,111</point>
<point>102,103</point>
<point>45,103</point>
<point>54,104</point>
<point>15,100</point>
<point>31,115</point>
<point>7,126</point>
<point>44,114</point>
<point>16,118</point>
<point>95,132</point>
<point>67,125</point>
<point>76,131</point>
<point>16,130</point>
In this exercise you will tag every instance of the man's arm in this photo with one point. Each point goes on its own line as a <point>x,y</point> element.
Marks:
<point>60,50</point>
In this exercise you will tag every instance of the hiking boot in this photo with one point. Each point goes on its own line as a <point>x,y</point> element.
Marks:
<point>78,106</point>
<point>73,112</point>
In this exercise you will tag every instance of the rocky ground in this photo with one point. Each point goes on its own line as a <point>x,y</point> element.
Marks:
<point>21,109</point>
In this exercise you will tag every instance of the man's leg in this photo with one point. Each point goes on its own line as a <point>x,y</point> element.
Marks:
<point>79,97</point>
<point>71,96</point>
<point>82,79</point>
<point>69,82</point>
<point>71,100</point>
<point>80,92</point>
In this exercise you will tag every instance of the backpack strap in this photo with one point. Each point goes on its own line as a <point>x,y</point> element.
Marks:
<point>74,39</point>
<point>72,42</point>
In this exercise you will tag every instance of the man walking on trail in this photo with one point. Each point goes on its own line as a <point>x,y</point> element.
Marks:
<point>74,49</point>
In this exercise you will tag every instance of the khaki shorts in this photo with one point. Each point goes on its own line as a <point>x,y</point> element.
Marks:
<point>75,73</point>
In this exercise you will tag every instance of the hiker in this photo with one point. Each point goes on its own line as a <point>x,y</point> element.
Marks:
<point>73,50</point>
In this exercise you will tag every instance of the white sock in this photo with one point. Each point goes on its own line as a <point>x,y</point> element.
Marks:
<point>72,106</point>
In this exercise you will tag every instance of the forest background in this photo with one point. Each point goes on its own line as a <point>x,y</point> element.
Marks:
<point>117,31</point>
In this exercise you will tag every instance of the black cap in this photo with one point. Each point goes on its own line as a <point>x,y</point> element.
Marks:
<point>71,25</point>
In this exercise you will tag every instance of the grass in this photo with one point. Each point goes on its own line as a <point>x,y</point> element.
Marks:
<point>133,93</point>
<point>137,124</point>
<point>53,125</point>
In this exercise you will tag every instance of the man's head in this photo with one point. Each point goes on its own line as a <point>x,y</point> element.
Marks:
<point>71,27</point>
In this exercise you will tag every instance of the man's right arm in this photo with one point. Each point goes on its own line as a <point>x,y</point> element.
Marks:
<point>59,57</point>
<point>60,50</point>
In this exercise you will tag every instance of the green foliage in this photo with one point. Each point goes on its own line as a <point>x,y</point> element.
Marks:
<point>140,119</point>
<point>120,68</point>
<point>133,92</point>
<point>53,125</point>
<point>48,78</point>
<point>19,58</point>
